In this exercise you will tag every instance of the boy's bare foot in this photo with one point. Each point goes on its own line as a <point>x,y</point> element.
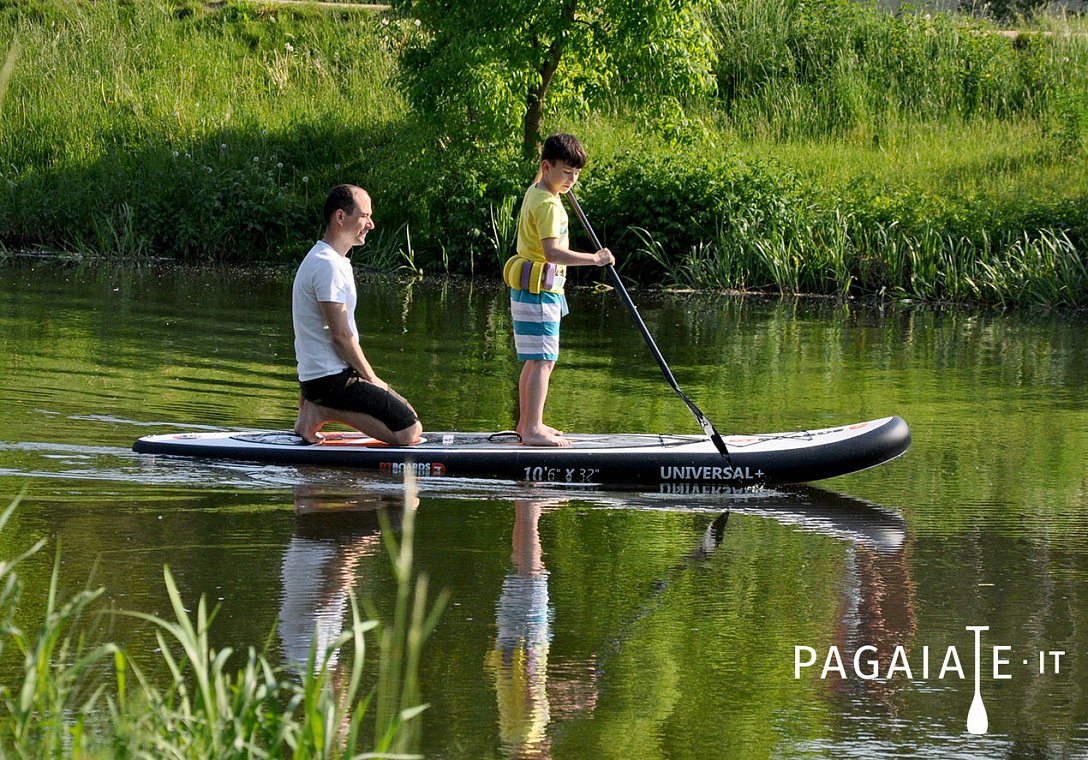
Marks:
<point>546,428</point>
<point>543,437</point>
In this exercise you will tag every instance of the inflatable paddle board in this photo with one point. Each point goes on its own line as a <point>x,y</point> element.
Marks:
<point>672,463</point>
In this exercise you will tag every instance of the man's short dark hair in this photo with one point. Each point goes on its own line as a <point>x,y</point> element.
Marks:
<point>340,198</point>
<point>565,148</point>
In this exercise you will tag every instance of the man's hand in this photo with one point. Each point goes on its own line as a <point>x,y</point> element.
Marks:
<point>604,257</point>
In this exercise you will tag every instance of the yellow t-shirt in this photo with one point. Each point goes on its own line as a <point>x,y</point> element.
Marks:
<point>542,216</point>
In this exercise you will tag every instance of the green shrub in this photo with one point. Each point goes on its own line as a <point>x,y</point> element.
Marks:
<point>681,201</point>
<point>447,194</point>
<point>1067,125</point>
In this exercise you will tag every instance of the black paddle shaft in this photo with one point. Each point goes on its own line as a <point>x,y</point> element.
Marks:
<point>706,425</point>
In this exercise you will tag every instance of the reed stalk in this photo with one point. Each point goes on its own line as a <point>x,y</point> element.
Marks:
<point>212,706</point>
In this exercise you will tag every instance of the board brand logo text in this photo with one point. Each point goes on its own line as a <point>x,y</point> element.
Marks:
<point>690,473</point>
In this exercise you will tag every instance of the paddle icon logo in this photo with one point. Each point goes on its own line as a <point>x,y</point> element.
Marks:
<point>869,663</point>
<point>977,720</point>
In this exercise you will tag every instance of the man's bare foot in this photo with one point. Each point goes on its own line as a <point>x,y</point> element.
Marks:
<point>309,422</point>
<point>542,437</point>
<point>313,436</point>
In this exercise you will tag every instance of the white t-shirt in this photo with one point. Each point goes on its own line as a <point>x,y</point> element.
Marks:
<point>324,275</point>
<point>313,604</point>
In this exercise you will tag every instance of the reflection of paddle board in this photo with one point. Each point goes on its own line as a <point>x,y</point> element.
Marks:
<point>635,459</point>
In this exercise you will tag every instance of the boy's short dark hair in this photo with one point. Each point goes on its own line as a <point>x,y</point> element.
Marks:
<point>565,148</point>
<point>340,198</point>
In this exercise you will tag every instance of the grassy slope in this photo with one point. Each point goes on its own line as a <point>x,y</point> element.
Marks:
<point>214,135</point>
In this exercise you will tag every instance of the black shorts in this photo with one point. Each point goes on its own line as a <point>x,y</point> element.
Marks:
<point>348,391</point>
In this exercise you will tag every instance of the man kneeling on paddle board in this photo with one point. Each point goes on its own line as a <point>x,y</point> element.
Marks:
<point>337,382</point>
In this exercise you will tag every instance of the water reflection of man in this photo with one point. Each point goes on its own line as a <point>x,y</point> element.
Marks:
<point>519,660</point>
<point>320,569</point>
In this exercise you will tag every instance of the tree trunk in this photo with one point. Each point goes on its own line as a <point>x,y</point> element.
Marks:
<point>534,107</point>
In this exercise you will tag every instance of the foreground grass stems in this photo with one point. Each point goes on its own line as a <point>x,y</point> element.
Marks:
<point>78,699</point>
<point>398,691</point>
<point>46,713</point>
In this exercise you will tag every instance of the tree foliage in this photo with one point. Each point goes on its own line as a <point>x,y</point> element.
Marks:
<point>492,70</point>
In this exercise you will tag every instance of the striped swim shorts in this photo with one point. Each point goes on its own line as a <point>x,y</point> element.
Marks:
<point>536,323</point>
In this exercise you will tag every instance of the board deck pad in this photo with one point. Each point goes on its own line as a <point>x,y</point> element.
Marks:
<point>486,441</point>
<point>637,459</point>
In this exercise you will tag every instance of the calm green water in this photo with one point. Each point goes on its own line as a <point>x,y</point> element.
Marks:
<point>589,624</point>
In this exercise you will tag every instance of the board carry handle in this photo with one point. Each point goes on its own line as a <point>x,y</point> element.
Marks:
<point>701,418</point>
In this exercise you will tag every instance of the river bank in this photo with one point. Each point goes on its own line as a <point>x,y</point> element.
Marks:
<point>880,156</point>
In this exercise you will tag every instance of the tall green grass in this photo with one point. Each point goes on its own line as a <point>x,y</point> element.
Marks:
<point>83,699</point>
<point>798,69</point>
<point>835,255</point>
<point>211,133</point>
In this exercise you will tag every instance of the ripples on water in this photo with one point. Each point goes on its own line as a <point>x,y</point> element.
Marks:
<point>587,623</point>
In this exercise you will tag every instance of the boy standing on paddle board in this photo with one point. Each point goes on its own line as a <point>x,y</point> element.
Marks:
<point>337,382</point>
<point>536,275</point>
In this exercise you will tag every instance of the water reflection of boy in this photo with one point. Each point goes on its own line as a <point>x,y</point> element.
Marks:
<point>519,660</point>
